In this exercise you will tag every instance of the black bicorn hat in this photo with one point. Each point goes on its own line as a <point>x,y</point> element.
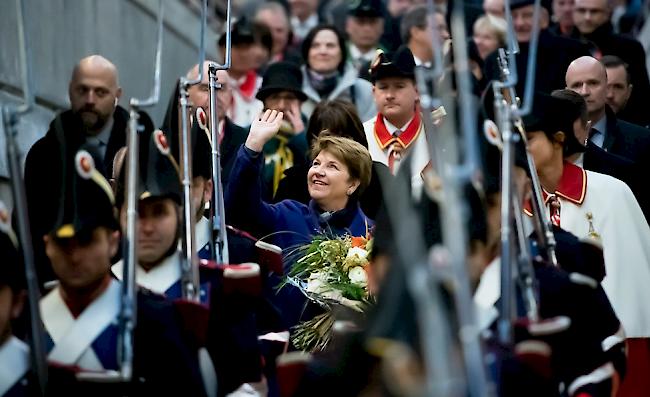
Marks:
<point>281,76</point>
<point>201,144</point>
<point>158,175</point>
<point>87,200</point>
<point>397,64</point>
<point>366,8</point>
<point>550,115</point>
<point>10,269</point>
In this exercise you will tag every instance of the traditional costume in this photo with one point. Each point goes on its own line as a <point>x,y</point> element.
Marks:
<point>88,341</point>
<point>589,204</point>
<point>14,368</point>
<point>390,144</point>
<point>15,362</point>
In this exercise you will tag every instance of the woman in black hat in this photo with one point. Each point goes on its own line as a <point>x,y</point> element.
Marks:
<point>327,75</point>
<point>281,90</point>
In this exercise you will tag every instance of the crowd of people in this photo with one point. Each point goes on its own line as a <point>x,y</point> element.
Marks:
<point>320,126</point>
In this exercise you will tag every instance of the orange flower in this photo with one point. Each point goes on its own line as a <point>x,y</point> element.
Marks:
<point>359,242</point>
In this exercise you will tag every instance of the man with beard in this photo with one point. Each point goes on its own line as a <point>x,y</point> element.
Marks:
<point>94,119</point>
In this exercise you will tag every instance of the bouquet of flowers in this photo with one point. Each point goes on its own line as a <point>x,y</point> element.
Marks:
<point>330,271</point>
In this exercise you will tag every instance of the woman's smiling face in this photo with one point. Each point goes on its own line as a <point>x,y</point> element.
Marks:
<point>329,182</point>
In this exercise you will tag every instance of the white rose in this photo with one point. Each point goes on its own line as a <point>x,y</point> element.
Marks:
<point>316,282</point>
<point>358,276</point>
<point>358,252</point>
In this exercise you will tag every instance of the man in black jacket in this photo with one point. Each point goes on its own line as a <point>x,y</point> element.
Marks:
<point>587,76</point>
<point>95,119</point>
<point>596,159</point>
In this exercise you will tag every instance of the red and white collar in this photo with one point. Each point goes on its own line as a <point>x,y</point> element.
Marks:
<point>572,186</point>
<point>385,138</point>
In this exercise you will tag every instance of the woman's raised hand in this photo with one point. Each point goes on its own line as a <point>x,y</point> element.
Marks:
<point>263,129</point>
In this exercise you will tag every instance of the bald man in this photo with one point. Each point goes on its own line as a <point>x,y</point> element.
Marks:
<point>588,77</point>
<point>94,120</point>
<point>593,26</point>
<point>199,95</point>
<point>94,92</point>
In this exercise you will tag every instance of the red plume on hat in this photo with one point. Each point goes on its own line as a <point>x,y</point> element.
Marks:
<point>88,201</point>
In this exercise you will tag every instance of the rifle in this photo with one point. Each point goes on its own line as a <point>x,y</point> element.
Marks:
<point>445,375</point>
<point>219,236</point>
<point>10,117</point>
<point>128,305</point>
<point>189,267</point>
<point>508,113</point>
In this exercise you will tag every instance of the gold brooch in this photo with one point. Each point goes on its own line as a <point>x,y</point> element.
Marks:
<point>592,231</point>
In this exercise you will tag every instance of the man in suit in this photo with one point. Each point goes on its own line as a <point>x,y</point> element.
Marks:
<point>620,89</point>
<point>94,119</point>
<point>596,159</point>
<point>588,77</point>
<point>416,28</point>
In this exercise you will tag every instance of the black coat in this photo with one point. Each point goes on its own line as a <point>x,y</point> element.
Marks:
<point>633,143</point>
<point>162,358</point>
<point>603,41</point>
<point>627,140</point>
<point>554,55</point>
<point>603,162</point>
<point>44,170</point>
<point>294,187</point>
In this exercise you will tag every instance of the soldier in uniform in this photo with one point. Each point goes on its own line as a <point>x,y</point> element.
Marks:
<point>80,314</point>
<point>159,207</point>
<point>584,202</point>
<point>230,320</point>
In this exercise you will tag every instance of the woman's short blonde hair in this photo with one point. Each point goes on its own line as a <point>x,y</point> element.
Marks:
<point>353,154</point>
<point>497,26</point>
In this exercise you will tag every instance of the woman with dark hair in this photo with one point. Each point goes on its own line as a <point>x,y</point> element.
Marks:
<point>337,118</point>
<point>327,75</point>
